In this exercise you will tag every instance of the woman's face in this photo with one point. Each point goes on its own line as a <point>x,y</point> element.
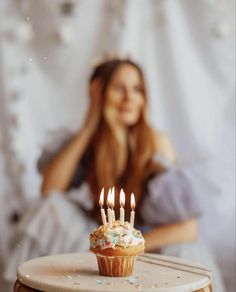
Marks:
<point>124,98</point>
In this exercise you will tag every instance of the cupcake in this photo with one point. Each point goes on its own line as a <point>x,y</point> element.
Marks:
<point>116,248</point>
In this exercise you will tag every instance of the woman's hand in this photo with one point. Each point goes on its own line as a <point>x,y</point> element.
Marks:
<point>186,231</point>
<point>54,176</point>
<point>95,108</point>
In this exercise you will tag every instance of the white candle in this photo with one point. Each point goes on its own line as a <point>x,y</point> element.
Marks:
<point>122,204</point>
<point>132,214</point>
<point>101,201</point>
<point>109,214</point>
<point>112,204</point>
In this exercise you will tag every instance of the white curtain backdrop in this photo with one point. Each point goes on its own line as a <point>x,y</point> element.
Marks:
<point>186,48</point>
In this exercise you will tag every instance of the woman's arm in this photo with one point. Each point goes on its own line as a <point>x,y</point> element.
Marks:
<point>167,234</point>
<point>164,146</point>
<point>58,174</point>
<point>173,233</point>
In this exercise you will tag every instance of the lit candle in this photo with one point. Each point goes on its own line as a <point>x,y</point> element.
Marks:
<point>122,204</point>
<point>113,203</point>
<point>109,214</point>
<point>101,201</point>
<point>132,214</point>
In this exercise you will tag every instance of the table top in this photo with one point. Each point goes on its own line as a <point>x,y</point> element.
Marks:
<point>79,272</point>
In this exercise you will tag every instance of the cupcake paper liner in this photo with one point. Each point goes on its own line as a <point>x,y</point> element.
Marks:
<point>115,266</point>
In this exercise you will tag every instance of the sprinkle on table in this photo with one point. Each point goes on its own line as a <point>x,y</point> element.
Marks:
<point>132,280</point>
<point>76,283</point>
<point>68,277</point>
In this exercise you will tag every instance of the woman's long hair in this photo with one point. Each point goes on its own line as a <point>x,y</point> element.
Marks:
<point>104,166</point>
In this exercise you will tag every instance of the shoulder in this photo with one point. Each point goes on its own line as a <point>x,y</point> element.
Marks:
<point>164,146</point>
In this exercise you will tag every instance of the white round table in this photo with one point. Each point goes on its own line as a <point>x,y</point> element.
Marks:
<point>79,272</point>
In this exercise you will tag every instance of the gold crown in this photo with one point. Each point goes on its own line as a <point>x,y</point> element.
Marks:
<point>109,56</point>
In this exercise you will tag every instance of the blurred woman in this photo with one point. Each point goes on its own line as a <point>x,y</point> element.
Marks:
<point>116,146</point>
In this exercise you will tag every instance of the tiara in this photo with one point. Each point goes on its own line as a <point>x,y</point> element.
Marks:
<point>109,56</point>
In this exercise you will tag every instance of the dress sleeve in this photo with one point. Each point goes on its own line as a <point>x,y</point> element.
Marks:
<point>172,197</point>
<point>56,142</point>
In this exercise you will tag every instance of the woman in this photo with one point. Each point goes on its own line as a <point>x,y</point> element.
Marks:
<point>121,145</point>
<point>115,147</point>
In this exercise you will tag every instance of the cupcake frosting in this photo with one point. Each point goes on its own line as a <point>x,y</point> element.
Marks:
<point>118,235</point>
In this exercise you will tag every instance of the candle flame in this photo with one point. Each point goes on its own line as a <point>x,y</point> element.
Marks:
<point>122,198</point>
<point>109,198</point>
<point>112,197</point>
<point>132,201</point>
<point>101,199</point>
